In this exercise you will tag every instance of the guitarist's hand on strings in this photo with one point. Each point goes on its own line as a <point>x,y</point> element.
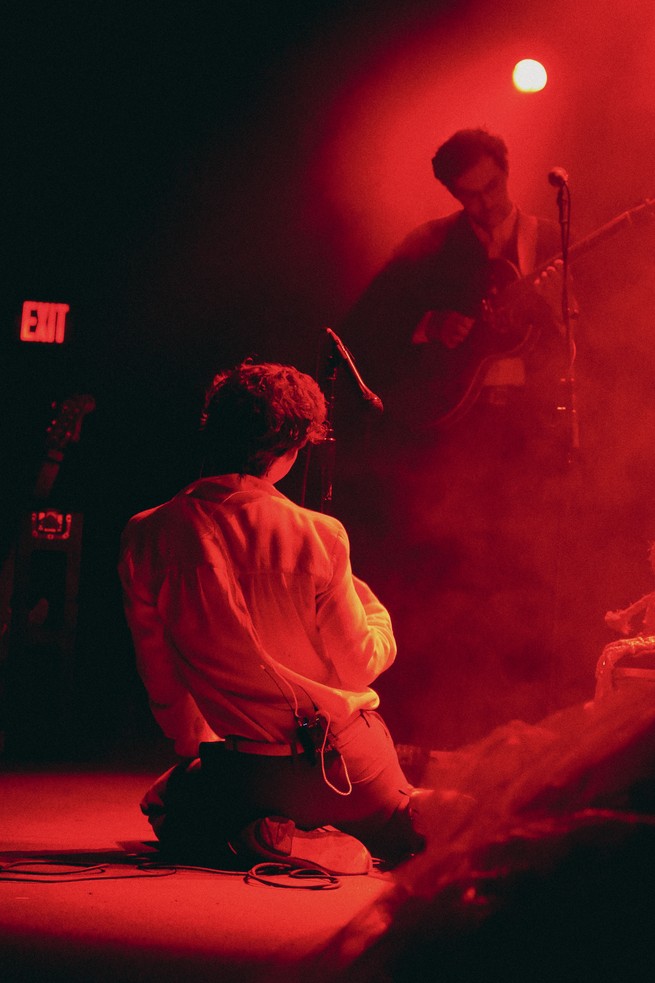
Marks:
<point>454,328</point>
<point>448,327</point>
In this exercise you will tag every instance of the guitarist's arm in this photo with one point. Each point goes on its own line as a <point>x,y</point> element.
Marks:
<point>411,282</point>
<point>378,328</point>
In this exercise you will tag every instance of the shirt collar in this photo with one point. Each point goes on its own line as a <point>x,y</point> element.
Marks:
<point>495,241</point>
<point>217,487</point>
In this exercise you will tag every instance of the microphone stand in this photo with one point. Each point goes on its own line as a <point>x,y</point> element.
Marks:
<point>326,374</point>
<point>563,570</point>
<point>329,443</point>
<point>573,429</point>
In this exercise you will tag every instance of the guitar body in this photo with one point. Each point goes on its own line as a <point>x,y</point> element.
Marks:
<point>508,325</point>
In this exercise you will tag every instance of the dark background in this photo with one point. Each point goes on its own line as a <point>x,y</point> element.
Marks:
<point>203,181</point>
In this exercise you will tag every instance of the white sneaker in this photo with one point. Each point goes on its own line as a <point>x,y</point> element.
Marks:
<point>278,839</point>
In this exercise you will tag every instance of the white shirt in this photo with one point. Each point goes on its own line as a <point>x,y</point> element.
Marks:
<point>244,611</point>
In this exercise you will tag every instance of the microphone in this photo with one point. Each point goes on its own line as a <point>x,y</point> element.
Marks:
<point>558,177</point>
<point>345,355</point>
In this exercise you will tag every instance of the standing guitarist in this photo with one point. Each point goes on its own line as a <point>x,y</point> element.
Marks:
<point>470,448</point>
<point>431,306</point>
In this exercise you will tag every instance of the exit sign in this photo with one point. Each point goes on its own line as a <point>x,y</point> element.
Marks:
<point>44,322</point>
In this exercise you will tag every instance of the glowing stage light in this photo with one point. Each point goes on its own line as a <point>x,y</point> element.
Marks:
<point>529,75</point>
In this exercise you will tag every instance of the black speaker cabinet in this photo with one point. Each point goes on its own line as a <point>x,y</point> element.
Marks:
<point>40,655</point>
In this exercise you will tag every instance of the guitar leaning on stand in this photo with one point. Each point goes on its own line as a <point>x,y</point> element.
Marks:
<point>28,621</point>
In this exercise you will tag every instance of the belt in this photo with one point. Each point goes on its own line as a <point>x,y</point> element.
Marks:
<point>244,745</point>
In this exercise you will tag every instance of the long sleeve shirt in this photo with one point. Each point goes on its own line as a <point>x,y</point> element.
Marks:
<point>246,616</point>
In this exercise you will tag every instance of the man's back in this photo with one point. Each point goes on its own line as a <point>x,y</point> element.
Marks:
<point>247,600</point>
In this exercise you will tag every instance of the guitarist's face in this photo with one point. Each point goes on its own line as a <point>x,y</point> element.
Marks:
<point>482,192</point>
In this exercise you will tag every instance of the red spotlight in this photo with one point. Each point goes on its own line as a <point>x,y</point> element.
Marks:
<point>529,75</point>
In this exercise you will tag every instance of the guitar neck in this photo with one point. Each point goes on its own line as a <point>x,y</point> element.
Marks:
<point>47,476</point>
<point>607,231</point>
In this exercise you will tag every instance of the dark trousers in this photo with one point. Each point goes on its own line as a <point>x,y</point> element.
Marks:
<point>359,787</point>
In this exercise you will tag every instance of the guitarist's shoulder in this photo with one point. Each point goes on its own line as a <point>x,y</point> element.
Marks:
<point>427,238</point>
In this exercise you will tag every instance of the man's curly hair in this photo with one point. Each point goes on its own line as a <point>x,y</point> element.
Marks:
<point>254,413</point>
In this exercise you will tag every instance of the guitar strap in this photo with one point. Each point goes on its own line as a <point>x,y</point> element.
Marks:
<point>527,228</point>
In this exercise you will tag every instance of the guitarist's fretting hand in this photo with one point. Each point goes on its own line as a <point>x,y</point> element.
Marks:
<point>549,286</point>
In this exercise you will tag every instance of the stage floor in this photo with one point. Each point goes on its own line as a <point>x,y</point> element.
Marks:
<point>120,922</point>
<point>550,865</point>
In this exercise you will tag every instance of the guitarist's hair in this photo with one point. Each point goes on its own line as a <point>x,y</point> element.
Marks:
<point>463,150</point>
